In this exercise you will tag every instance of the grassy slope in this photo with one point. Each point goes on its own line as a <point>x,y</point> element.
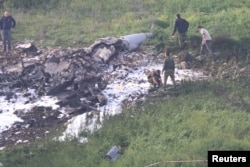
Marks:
<point>79,23</point>
<point>198,117</point>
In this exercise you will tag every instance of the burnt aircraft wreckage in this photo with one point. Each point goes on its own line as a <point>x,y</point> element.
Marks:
<point>75,76</point>
<point>76,73</point>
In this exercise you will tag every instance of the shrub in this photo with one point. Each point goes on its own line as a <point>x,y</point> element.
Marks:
<point>224,43</point>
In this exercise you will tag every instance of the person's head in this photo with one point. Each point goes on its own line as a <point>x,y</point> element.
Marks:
<point>178,15</point>
<point>199,28</point>
<point>167,51</point>
<point>6,13</point>
<point>158,72</point>
<point>147,72</point>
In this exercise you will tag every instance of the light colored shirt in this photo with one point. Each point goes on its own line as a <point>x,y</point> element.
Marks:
<point>205,34</point>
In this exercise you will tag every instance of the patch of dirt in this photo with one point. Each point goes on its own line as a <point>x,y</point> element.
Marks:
<point>39,124</point>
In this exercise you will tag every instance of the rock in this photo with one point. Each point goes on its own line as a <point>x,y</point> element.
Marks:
<point>183,65</point>
<point>105,53</point>
<point>17,68</point>
<point>29,48</point>
<point>59,88</point>
<point>102,99</point>
<point>114,153</point>
<point>185,56</point>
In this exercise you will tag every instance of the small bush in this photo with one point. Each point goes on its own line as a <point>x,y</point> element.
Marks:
<point>224,43</point>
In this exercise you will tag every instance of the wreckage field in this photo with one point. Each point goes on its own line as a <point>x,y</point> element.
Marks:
<point>45,91</point>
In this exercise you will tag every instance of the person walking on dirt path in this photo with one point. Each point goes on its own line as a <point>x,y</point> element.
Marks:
<point>181,26</point>
<point>7,23</point>
<point>206,41</point>
<point>168,68</point>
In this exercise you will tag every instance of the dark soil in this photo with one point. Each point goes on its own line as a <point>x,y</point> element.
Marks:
<point>41,124</point>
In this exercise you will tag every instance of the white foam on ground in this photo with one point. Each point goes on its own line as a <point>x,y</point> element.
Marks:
<point>23,104</point>
<point>128,88</point>
<point>131,86</point>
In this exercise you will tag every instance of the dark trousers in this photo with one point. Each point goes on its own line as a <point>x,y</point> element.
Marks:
<point>168,73</point>
<point>182,39</point>
<point>207,44</point>
<point>6,37</point>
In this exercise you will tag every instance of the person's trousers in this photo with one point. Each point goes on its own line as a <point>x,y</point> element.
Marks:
<point>168,73</point>
<point>6,37</point>
<point>181,39</point>
<point>207,44</point>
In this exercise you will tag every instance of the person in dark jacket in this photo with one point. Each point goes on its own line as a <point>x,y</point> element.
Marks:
<point>168,68</point>
<point>7,22</point>
<point>181,26</point>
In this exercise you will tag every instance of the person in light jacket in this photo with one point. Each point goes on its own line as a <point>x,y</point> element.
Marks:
<point>206,41</point>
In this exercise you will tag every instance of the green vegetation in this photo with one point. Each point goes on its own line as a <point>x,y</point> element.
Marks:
<point>79,23</point>
<point>198,117</point>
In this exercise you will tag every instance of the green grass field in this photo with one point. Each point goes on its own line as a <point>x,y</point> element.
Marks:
<point>195,118</point>
<point>178,125</point>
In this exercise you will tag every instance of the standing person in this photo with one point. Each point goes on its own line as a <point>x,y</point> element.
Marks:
<point>168,68</point>
<point>181,26</point>
<point>206,41</point>
<point>7,22</point>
